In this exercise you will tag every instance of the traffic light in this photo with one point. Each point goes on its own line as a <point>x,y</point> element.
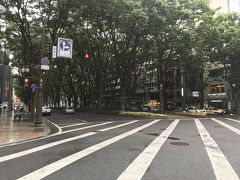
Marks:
<point>26,82</point>
<point>86,55</point>
<point>83,55</point>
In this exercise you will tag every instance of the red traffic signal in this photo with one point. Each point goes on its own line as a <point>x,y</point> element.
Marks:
<point>86,55</point>
<point>26,82</point>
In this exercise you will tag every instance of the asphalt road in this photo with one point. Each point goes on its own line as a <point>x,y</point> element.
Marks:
<point>101,147</point>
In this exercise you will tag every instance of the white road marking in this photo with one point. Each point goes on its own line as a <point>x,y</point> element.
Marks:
<point>86,127</point>
<point>58,127</point>
<point>58,133</point>
<point>83,121</point>
<point>138,167</point>
<point>45,146</point>
<point>221,167</point>
<point>53,167</point>
<point>233,120</point>
<point>72,125</point>
<point>110,128</point>
<point>227,126</point>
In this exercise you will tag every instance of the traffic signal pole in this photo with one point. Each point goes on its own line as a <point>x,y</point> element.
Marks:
<point>39,102</point>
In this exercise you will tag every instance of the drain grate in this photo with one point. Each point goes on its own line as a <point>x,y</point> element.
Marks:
<point>179,143</point>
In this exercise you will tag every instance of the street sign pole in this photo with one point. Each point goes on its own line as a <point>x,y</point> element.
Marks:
<point>39,90</point>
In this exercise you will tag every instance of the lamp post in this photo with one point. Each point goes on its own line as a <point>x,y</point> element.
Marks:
<point>183,86</point>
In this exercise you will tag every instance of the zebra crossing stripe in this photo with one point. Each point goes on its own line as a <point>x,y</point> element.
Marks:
<point>45,146</point>
<point>114,127</point>
<point>221,167</point>
<point>237,131</point>
<point>87,127</point>
<point>53,167</point>
<point>233,120</point>
<point>72,125</point>
<point>58,133</point>
<point>138,167</point>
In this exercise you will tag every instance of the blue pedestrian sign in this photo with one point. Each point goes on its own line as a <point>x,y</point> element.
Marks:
<point>65,47</point>
<point>45,61</point>
<point>34,87</point>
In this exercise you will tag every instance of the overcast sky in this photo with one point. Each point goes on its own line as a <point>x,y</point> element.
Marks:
<point>235,6</point>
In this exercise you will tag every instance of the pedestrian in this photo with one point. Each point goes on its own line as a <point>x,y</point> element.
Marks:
<point>4,109</point>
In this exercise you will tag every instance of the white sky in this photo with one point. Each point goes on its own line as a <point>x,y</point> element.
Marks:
<point>234,6</point>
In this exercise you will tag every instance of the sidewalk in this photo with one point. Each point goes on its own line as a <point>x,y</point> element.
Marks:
<point>13,131</point>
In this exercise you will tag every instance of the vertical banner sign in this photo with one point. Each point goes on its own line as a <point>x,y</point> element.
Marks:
<point>54,52</point>
<point>65,48</point>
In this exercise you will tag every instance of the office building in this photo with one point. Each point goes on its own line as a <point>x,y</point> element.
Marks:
<point>225,6</point>
<point>5,80</point>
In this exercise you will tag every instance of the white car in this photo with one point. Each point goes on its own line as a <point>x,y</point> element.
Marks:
<point>69,110</point>
<point>46,111</point>
<point>191,109</point>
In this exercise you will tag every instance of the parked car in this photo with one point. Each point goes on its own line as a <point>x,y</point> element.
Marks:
<point>191,109</point>
<point>215,111</point>
<point>46,111</point>
<point>149,107</point>
<point>69,110</point>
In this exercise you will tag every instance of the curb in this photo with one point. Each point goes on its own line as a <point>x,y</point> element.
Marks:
<point>54,129</point>
<point>191,115</point>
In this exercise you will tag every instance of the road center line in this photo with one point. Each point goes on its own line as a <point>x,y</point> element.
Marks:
<point>45,146</point>
<point>53,167</point>
<point>221,167</point>
<point>138,167</point>
<point>227,126</point>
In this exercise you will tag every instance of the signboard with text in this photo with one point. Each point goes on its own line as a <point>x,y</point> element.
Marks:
<point>195,93</point>
<point>54,52</point>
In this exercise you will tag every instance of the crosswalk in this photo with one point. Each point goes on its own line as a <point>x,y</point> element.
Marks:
<point>136,149</point>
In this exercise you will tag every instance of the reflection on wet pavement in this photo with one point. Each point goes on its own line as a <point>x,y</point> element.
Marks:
<point>13,131</point>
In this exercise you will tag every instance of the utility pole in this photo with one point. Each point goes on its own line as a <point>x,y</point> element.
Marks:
<point>39,90</point>
<point>161,88</point>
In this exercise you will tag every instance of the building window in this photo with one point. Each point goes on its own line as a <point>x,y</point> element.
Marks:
<point>217,88</point>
